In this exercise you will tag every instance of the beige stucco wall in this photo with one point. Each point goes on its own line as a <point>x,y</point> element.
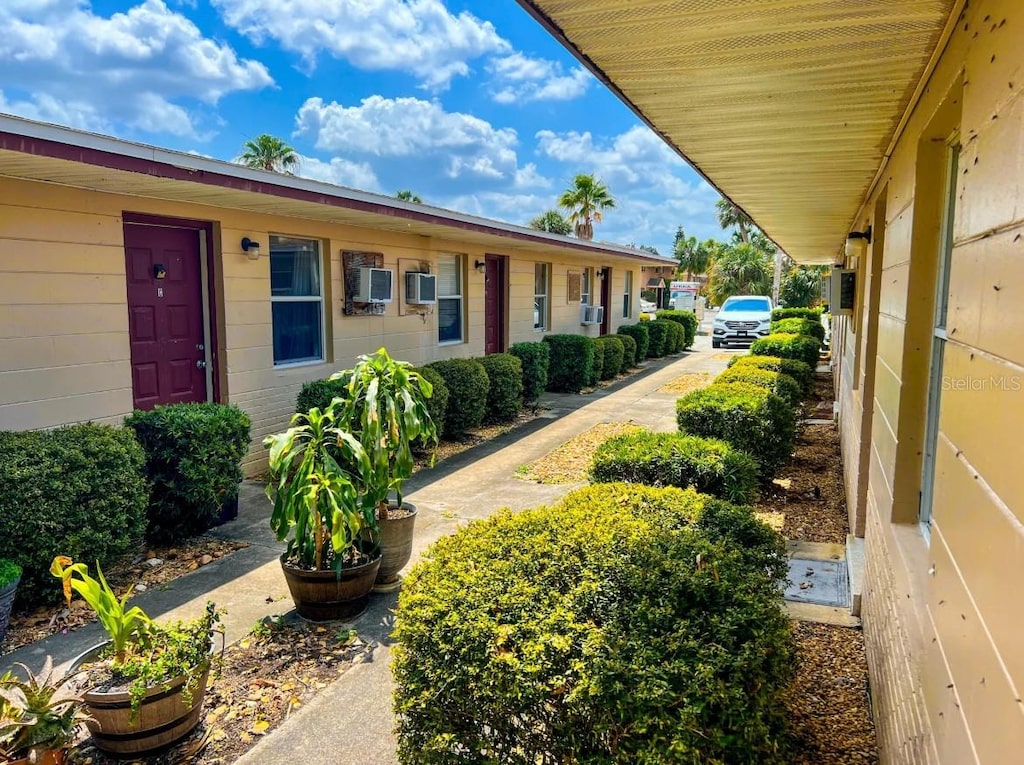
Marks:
<point>64,353</point>
<point>943,625</point>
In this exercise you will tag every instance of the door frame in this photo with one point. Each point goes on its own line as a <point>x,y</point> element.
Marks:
<point>606,299</point>
<point>502,295</point>
<point>211,276</point>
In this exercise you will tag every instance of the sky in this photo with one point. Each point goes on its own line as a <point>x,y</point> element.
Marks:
<point>470,104</point>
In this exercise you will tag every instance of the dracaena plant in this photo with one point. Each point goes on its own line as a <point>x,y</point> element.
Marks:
<point>316,474</point>
<point>123,625</point>
<point>385,406</point>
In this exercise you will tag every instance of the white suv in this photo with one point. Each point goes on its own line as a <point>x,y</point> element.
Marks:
<point>742,318</point>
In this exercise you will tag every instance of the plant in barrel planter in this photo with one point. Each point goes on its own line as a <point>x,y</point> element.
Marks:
<point>316,471</point>
<point>39,717</point>
<point>385,407</point>
<point>145,685</point>
<point>10,577</point>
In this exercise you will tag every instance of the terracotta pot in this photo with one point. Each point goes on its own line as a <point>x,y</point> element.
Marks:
<point>45,757</point>
<point>322,596</point>
<point>6,604</point>
<point>395,545</point>
<point>163,717</point>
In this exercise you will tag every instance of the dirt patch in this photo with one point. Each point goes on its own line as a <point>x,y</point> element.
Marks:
<point>686,383</point>
<point>474,437</point>
<point>570,461</point>
<point>175,561</point>
<point>829,708</point>
<point>263,678</point>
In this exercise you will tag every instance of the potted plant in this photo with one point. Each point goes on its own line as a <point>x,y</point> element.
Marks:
<point>385,406</point>
<point>39,717</point>
<point>316,472</point>
<point>10,576</point>
<point>145,685</point>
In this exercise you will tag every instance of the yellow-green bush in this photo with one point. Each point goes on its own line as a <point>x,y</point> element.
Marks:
<point>782,385</point>
<point>798,370</point>
<point>788,346</point>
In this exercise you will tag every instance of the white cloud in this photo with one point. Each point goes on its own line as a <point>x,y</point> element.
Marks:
<point>410,127</point>
<point>529,177</point>
<point>340,172</point>
<point>518,78</point>
<point>134,68</point>
<point>417,36</point>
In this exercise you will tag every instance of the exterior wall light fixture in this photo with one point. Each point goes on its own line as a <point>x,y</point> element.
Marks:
<point>480,265</point>
<point>857,243</point>
<point>251,248</point>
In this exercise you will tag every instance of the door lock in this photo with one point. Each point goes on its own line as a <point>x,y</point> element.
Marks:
<point>200,347</point>
<point>200,364</point>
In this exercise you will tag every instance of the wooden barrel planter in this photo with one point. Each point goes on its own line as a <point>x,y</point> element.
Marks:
<point>322,596</point>
<point>396,547</point>
<point>163,717</point>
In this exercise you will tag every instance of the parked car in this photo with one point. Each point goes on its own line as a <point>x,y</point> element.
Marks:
<point>646,306</point>
<point>742,319</point>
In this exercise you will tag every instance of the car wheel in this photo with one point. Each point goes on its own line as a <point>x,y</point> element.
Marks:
<point>716,343</point>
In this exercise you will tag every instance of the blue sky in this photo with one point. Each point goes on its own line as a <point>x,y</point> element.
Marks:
<point>469,103</point>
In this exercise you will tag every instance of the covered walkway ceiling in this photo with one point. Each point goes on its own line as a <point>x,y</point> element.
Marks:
<point>788,107</point>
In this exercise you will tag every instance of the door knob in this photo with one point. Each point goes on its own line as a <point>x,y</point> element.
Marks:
<point>200,364</point>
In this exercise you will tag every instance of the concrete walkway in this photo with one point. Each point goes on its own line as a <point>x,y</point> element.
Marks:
<point>473,484</point>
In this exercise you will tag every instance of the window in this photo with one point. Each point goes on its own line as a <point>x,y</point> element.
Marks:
<point>449,299</point>
<point>627,296</point>
<point>541,289</point>
<point>588,281</point>
<point>296,300</point>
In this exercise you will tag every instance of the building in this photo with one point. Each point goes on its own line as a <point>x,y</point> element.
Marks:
<point>131,276</point>
<point>901,123</point>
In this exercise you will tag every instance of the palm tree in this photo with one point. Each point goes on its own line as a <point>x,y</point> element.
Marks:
<point>730,215</point>
<point>739,269</point>
<point>407,196</point>
<point>585,200</point>
<point>553,222</point>
<point>694,257</point>
<point>801,286</point>
<point>266,152</point>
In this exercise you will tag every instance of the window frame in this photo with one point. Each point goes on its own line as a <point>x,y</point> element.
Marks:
<point>460,279</point>
<point>318,244</point>
<point>545,312</point>
<point>586,280</point>
<point>627,295</point>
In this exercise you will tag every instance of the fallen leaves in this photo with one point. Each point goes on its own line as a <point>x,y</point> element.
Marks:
<point>570,461</point>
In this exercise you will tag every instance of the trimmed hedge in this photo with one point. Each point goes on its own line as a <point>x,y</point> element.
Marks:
<point>320,393</point>
<point>782,385</point>
<point>813,314</point>
<point>660,343</point>
<point>688,320</point>
<point>437,404</point>
<point>676,341</point>
<point>800,327</point>
<point>641,335</point>
<point>750,418</point>
<point>535,358</point>
<point>505,394</point>
<point>468,385</point>
<point>585,632</point>
<point>193,462</point>
<point>708,465</point>
<point>598,368</point>
<point>77,491</point>
<point>798,370</point>
<point>613,352</point>
<point>788,346</point>
<point>572,362</point>
<point>628,350</point>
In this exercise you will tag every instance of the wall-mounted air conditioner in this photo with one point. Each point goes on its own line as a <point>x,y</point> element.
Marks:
<point>842,292</point>
<point>591,314</point>
<point>420,288</point>
<point>374,285</point>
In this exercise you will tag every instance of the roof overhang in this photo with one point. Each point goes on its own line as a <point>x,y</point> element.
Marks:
<point>40,152</point>
<point>788,107</point>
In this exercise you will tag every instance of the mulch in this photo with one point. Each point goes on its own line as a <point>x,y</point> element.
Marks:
<point>570,462</point>
<point>686,383</point>
<point>450,447</point>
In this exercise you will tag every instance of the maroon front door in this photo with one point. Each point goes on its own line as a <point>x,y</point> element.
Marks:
<point>606,301</point>
<point>494,304</point>
<point>165,315</point>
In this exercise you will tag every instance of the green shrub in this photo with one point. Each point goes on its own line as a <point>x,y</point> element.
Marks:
<point>505,394</point>
<point>676,340</point>
<point>660,343</point>
<point>598,368</point>
<point>10,572</point>
<point>467,384</point>
<point>437,404</point>
<point>193,462</point>
<point>572,362</point>
<point>612,352</point>
<point>813,314</point>
<point>628,351</point>
<point>320,393</point>
<point>641,334</point>
<point>798,370</point>
<point>626,624</point>
<point>800,327</point>
<point>77,491</point>
<point>535,358</point>
<point>788,346</point>
<point>752,419</point>
<point>688,320</point>
<point>782,385</point>
<point>672,459</point>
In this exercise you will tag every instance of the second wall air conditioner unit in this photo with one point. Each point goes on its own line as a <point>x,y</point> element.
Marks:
<point>420,288</point>
<point>374,285</point>
<point>591,314</point>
